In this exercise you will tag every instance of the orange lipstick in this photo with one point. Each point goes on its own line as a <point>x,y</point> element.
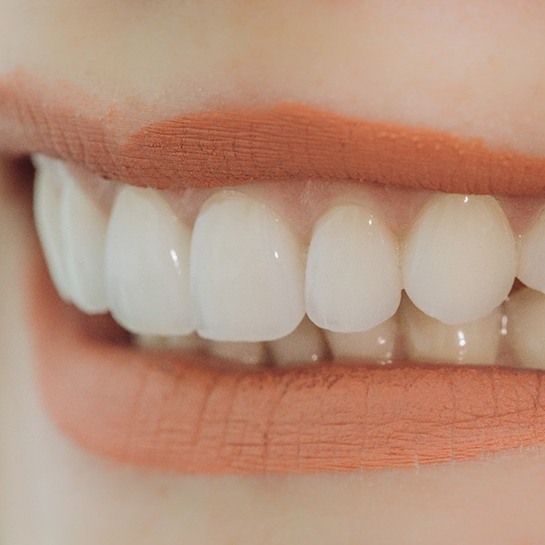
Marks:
<point>183,413</point>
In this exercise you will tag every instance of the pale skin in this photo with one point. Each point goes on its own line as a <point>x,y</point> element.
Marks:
<point>471,68</point>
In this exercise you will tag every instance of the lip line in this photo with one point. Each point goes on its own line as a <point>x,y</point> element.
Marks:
<point>176,413</point>
<point>283,142</point>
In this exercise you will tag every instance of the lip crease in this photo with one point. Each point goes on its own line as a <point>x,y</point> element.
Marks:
<point>283,142</point>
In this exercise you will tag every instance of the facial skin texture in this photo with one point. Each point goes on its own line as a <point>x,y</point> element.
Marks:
<point>472,68</point>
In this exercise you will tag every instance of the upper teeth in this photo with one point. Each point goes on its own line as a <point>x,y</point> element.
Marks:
<point>239,271</point>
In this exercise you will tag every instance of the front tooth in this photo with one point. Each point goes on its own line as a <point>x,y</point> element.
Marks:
<point>532,255</point>
<point>304,345</point>
<point>377,344</point>
<point>526,312</point>
<point>428,339</point>
<point>47,199</point>
<point>353,279</point>
<point>246,271</point>
<point>147,270</point>
<point>83,232</point>
<point>459,259</point>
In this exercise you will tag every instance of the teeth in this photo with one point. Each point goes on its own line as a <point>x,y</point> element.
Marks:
<point>241,281</point>
<point>306,344</point>
<point>428,339</point>
<point>242,352</point>
<point>83,234</point>
<point>185,343</point>
<point>459,259</point>
<point>526,310</point>
<point>147,270</point>
<point>377,344</point>
<point>353,279</point>
<point>247,271</point>
<point>532,256</point>
<point>47,199</point>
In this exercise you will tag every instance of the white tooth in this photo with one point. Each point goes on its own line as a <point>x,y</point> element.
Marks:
<point>240,352</point>
<point>353,279</point>
<point>185,343</point>
<point>246,271</point>
<point>526,331</point>
<point>305,345</point>
<point>147,270</point>
<point>83,231</point>
<point>532,255</point>
<point>377,344</point>
<point>459,258</point>
<point>47,198</point>
<point>428,339</point>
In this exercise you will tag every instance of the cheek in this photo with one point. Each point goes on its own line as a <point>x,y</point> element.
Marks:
<point>468,68</point>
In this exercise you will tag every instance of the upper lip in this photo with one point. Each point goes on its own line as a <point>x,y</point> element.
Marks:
<point>284,142</point>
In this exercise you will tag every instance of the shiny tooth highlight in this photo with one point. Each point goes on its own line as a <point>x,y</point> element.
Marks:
<point>531,269</point>
<point>459,258</point>
<point>378,344</point>
<point>83,235</point>
<point>526,331</point>
<point>247,271</point>
<point>353,279</point>
<point>48,189</point>
<point>428,339</point>
<point>305,345</point>
<point>147,269</point>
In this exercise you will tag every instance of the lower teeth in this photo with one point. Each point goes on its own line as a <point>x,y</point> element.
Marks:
<point>511,336</point>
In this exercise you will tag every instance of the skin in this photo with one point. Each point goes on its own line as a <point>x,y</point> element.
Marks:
<point>472,68</point>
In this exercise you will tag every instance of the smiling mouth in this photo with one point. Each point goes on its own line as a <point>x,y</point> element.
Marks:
<point>293,326</point>
<point>295,273</point>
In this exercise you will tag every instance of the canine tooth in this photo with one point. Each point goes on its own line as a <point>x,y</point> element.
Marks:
<point>353,279</point>
<point>428,339</point>
<point>532,255</point>
<point>241,352</point>
<point>147,270</point>
<point>377,344</point>
<point>83,232</point>
<point>459,258</point>
<point>47,202</point>
<point>305,345</point>
<point>526,312</point>
<point>247,271</point>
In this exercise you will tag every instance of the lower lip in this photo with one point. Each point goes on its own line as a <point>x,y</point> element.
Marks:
<point>185,414</point>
